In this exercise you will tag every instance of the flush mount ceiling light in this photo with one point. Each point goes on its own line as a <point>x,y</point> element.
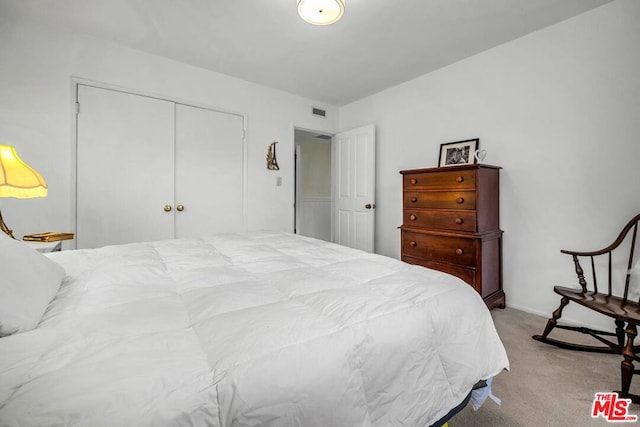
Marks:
<point>321,12</point>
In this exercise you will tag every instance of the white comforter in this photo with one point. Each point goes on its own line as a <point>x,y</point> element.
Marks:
<point>264,329</point>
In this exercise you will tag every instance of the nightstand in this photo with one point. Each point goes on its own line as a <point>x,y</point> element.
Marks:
<point>45,247</point>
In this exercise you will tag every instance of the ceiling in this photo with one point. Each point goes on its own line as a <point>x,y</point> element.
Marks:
<point>376,45</point>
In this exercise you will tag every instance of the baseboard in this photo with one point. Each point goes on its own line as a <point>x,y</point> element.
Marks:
<point>563,320</point>
<point>529,310</point>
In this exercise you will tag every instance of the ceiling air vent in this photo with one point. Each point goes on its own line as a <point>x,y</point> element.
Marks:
<point>319,112</point>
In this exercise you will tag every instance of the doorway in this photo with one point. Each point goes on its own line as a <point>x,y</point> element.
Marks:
<point>313,209</point>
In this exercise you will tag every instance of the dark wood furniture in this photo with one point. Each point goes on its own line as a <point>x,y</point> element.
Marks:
<point>612,302</point>
<point>451,223</point>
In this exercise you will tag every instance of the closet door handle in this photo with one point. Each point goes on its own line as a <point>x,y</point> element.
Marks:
<point>167,208</point>
<point>180,208</point>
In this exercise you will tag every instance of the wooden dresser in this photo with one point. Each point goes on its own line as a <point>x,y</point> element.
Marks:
<point>451,223</point>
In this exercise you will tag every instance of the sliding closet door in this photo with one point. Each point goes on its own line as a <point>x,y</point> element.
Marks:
<point>209,172</point>
<point>125,167</point>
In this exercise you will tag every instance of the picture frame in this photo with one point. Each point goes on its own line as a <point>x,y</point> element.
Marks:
<point>458,152</point>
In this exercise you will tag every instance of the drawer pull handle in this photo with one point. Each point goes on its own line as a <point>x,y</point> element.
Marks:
<point>460,200</point>
<point>413,217</point>
<point>413,244</point>
<point>459,251</point>
<point>413,181</point>
<point>460,179</point>
<point>459,221</point>
<point>414,199</point>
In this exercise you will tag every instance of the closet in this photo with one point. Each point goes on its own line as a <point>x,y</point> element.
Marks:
<point>151,169</point>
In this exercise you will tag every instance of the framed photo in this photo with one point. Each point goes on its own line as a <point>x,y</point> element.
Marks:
<point>459,152</point>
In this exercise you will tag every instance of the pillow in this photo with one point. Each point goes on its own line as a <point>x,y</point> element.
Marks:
<point>28,282</point>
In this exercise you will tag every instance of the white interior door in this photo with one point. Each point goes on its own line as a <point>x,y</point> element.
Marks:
<point>124,168</point>
<point>355,188</point>
<point>209,172</point>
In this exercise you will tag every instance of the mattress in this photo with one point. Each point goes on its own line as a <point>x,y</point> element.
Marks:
<point>260,329</point>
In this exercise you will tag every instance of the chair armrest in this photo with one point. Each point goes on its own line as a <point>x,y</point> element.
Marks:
<point>611,247</point>
<point>590,253</point>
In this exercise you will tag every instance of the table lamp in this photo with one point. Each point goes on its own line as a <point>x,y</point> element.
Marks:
<point>18,179</point>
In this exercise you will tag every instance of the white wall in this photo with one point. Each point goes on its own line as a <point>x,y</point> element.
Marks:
<point>316,167</point>
<point>36,67</point>
<point>559,110</point>
<point>314,203</point>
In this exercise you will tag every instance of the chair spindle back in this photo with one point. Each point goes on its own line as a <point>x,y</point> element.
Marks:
<point>633,224</point>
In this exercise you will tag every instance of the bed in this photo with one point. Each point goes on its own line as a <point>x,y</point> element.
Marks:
<point>258,329</point>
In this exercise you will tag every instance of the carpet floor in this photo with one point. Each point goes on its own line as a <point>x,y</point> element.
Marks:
<point>546,385</point>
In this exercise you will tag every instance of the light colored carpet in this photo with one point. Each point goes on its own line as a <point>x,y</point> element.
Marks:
<point>546,385</point>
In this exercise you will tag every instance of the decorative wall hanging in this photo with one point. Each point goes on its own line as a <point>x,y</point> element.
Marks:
<point>272,161</point>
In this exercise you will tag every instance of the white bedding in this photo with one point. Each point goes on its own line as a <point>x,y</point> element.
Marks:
<point>263,329</point>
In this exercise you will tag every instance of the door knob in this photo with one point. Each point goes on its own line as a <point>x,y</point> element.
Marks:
<point>180,208</point>
<point>167,208</point>
<point>369,206</point>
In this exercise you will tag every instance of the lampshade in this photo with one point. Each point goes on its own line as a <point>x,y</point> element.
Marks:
<point>17,179</point>
<point>321,12</point>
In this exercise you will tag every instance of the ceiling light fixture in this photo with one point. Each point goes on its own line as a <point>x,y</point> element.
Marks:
<point>321,12</point>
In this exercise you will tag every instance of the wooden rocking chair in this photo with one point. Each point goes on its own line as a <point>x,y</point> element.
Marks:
<point>626,313</point>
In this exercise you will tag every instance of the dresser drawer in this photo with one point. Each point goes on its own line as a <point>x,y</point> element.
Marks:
<point>455,250</point>
<point>444,180</point>
<point>440,219</point>
<point>464,199</point>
